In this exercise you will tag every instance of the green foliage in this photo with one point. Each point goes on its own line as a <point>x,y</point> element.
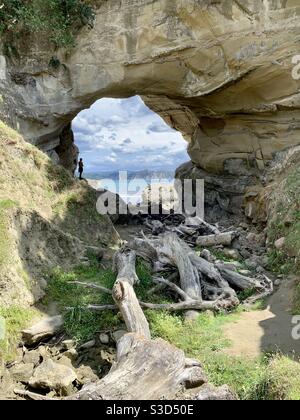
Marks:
<point>286,223</point>
<point>283,379</point>
<point>59,20</point>
<point>80,323</point>
<point>16,319</point>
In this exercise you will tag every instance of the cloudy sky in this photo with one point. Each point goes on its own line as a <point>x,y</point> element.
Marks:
<point>123,134</point>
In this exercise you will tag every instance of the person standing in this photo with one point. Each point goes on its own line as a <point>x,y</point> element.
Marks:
<point>80,168</point>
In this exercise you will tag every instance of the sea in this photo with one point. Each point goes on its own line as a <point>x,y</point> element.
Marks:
<point>130,184</point>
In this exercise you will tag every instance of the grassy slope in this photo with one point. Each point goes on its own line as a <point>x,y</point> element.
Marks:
<point>31,184</point>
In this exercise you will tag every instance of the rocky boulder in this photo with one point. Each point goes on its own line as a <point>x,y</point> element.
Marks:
<point>53,376</point>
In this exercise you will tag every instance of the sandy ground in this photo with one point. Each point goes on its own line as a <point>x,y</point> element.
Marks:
<point>266,330</point>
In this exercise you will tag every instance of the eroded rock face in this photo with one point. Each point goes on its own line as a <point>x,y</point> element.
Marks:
<point>218,71</point>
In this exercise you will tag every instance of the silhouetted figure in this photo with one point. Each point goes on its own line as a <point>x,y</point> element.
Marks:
<point>80,168</point>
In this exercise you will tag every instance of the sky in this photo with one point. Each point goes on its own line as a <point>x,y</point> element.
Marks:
<point>124,134</point>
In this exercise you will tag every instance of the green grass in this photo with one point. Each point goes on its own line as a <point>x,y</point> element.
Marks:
<point>16,319</point>
<point>204,339</point>
<point>80,323</point>
<point>283,379</point>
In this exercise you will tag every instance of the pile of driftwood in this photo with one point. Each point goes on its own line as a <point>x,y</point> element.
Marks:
<point>154,369</point>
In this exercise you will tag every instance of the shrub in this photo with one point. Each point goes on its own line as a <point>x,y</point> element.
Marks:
<point>59,20</point>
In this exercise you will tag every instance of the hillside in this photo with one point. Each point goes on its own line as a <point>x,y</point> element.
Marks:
<point>47,219</point>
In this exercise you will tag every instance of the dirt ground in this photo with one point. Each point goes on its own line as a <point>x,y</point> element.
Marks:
<point>266,330</point>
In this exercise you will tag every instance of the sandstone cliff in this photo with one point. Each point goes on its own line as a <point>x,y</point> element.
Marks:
<point>218,71</point>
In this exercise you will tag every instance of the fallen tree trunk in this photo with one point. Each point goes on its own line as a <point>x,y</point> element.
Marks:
<point>145,370</point>
<point>240,282</point>
<point>124,295</point>
<point>128,304</point>
<point>214,240</point>
<point>124,266</point>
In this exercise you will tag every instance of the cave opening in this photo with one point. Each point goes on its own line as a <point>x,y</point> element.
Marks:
<point>125,136</point>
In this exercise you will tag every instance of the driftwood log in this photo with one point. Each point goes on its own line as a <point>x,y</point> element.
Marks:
<point>145,369</point>
<point>217,239</point>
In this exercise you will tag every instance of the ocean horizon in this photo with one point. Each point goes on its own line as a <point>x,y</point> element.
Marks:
<point>130,189</point>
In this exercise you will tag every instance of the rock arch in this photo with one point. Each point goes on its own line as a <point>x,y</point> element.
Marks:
<point>219,72</point>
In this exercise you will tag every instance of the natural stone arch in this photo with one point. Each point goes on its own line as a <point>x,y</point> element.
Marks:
<point>196,63</point>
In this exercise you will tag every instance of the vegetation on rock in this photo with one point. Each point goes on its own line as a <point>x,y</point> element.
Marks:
<point>284,222</point>
<point>56,19</point>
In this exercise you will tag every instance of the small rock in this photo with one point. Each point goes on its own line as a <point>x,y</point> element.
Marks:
<point>104,338</point>
<point>68,344</point>
<point>32,356</point>
<point>251,264</point>
<point>277,282</point>
<point>53,376</point>
<point>88,345</point>
<point>206,254</point>
<point>117,335</point>
<point>43,283</point>
<point>43,330</point>
<point>232,253</point>
<point>279,244</point>
<point>66,361</point>
<point>245,253</point>
<point>22,372</point>
<point>244,226</point>
<point>86,375</point>
<point>233,266</point>
<point>71,354</point>
<point>210,393</point>
<point>250,237</point>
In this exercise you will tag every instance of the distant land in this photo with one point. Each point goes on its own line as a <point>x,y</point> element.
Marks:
<point>145,174</point>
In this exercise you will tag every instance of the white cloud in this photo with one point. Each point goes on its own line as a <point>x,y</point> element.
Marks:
<point>124,134</point>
